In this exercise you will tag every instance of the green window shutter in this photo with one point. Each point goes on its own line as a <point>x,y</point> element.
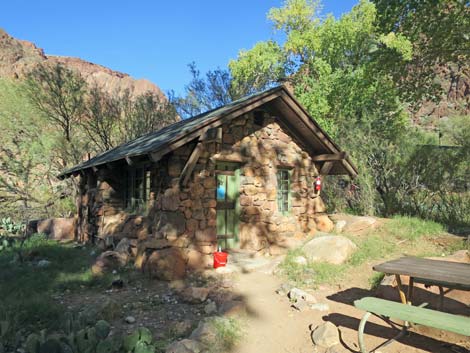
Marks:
<point>290,195</point>
<point>284,191</point>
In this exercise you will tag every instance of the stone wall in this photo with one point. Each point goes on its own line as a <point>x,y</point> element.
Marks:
<point>185,217</point>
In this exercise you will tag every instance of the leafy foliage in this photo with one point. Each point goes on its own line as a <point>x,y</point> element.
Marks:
<point>212,91</point>
<point>53,120</point>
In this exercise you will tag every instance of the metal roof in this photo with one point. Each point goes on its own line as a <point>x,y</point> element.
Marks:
<point>156,140</point>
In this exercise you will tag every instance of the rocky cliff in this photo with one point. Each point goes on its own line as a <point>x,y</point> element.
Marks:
<point>17,57</point>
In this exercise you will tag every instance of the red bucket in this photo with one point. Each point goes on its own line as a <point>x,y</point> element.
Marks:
<point>220,259</point>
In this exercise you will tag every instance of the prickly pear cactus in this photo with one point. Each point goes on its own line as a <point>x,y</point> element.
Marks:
<point>86,340</point>
<point>142,347</point>
<point>130,341</point>
<point>51,345</point>
<point>139,341</point>
<point>32,343</point>
<point>105,346</point>
<point>102,329</point>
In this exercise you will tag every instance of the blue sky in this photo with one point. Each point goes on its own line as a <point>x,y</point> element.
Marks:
<point>144,38</point>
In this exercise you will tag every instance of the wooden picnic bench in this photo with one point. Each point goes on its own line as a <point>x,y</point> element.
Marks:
<point>409,314</point>
<point>443,274</point>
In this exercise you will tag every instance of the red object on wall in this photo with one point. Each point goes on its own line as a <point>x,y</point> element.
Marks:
<point>220,259</point>
<point>318,184</point>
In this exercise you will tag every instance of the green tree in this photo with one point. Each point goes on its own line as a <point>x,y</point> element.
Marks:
<point>27,177</point>
<point>439,31</point>
<point>59,94</point>
<point>207,92</point>
<point>102,117</point>
<point>143,114</point>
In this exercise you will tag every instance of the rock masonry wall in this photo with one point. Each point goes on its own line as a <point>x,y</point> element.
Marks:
<point>184,218</point>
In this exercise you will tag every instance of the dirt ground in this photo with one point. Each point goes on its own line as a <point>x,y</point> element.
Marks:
<point>273,326</point>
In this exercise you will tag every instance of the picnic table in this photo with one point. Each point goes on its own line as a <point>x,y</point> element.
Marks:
<point>444,274</point>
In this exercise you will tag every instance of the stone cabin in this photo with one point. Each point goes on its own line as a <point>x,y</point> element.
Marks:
<point>239,177</point>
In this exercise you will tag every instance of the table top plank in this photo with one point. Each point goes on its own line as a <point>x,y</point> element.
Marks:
<point>436,270</point>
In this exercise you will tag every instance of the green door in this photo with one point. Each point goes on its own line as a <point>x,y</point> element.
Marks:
<point>228,175</point>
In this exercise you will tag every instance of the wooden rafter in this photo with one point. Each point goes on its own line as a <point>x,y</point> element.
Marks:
<point>129,160</point>
<point>216,122</point>
<point>331,157</point>
<point>191,163</point>
<point>326,167</point>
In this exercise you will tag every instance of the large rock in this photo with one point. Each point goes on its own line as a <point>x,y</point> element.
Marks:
<point>326,335</point>
<point>205,331</point>
<point>166,264</point>
<point>353,224</point>
<point>184,346</point>
<point>334,249</point>
<point>108,261</point>
<point>194,295</point>
<point>54,228</point>
<point>358,224</point>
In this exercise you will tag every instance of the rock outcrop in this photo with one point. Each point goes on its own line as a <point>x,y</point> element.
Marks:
<point>17,57</point>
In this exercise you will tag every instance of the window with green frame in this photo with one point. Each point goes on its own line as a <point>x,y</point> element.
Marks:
<point>138,187</point>
<point>283,190</point>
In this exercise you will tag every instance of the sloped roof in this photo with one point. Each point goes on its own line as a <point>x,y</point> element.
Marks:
<point>157,140</point>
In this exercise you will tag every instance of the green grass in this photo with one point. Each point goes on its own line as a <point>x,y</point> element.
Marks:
<point>375,279</point>
<point>396,237</point>
<point>27,290</point>
<point>228,332</point>
<point>411,228</point>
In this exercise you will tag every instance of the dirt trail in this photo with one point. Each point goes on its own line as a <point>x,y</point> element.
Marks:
<point>271,326</point>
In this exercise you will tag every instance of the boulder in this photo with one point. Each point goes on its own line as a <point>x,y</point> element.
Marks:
<point>197,260</point>
<point>205,332</point>
<point>194,295</point>
<point>166,264</point>
<point>296,294</point>
<point>326,335</point>
<point>108,261</point>
<point>353,224</point>
<point>210,308</point>
<point>357,224</point>
<point>181,328</point>
<point>184,346</point>
<point>324,223</point>
<point>334,249</point>
<point>54,228</point>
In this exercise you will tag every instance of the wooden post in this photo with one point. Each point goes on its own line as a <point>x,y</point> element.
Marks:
<point>400,289</point>
<point>410,290</point>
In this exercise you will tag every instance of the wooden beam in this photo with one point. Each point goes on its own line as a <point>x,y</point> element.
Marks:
<point>191,163</point>
<point>129,160</point>
<point>325,169</point>
<point>215,122</point>
<point>329,157</point>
